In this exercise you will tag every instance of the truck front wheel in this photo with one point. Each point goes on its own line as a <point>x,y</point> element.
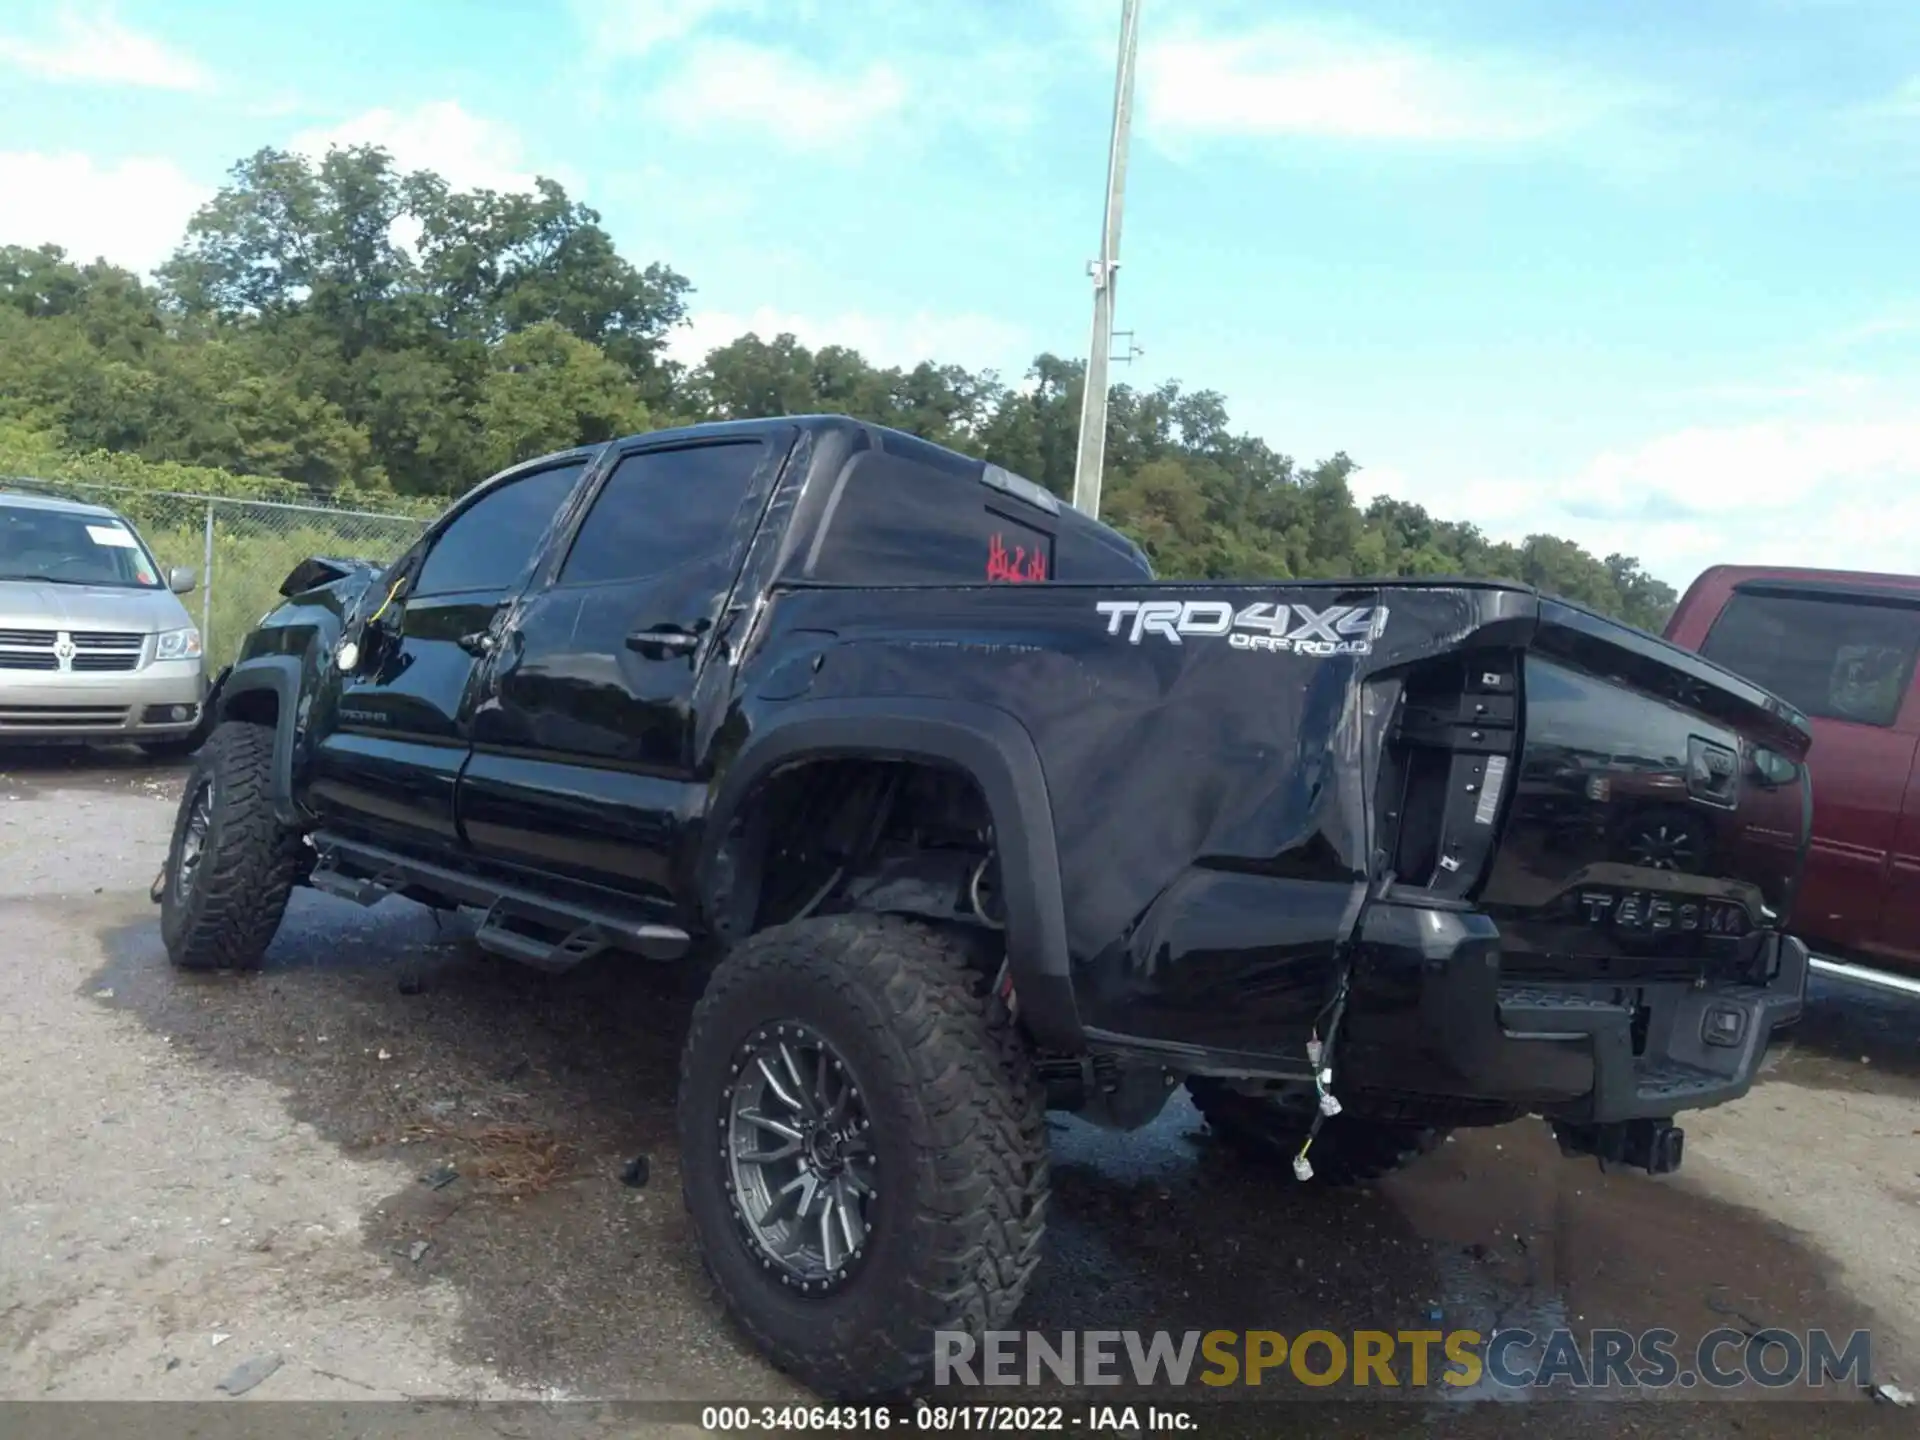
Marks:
<point>863,1149</point>
<point>232,864</point>
<point>1349,1150</point>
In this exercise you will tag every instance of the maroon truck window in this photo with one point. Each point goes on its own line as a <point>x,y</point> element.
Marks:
<point>1839,659</point>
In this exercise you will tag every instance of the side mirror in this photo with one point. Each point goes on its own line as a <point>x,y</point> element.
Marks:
<point>181,579</point>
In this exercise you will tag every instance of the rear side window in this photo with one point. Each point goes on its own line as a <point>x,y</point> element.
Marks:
<point>1838,659</point>
<point>660,509</point>
<point>490,544</point>
<point>896,521</point>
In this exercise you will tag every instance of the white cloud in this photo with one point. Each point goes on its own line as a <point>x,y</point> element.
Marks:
<point>636,27</point>
<point>729,85</point>
<point>1889,325</point>
<point>1800,389</point>
<point>93,46</point>
<point>825,75</point>
<point>133,212</point>
<point>1903,103</point>
<point>1840,492</point>
<point>977,341</point>
<point>470,151</point>
<point>1312,79</point>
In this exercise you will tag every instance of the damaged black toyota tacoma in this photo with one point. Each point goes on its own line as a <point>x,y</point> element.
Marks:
<point>967,817</point>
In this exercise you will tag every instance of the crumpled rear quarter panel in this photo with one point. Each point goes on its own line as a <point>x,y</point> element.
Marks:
<point>1210,801</point>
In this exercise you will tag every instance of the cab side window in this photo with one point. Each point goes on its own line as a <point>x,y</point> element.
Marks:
<point>1840,659</point>
<point>491,543</point>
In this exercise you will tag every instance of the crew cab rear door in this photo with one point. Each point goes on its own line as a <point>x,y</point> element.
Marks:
<point>583,729</point>
<point>390,765</point>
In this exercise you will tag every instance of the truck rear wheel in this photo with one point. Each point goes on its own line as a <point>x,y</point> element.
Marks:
<point>863,1149</point>
<point>232,864</point>
<point>1349,1150</point>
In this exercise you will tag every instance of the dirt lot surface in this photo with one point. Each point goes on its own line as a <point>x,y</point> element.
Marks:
<point>395,1165</point>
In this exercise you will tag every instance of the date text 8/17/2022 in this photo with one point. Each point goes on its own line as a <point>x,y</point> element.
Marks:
<point>923,1417</point>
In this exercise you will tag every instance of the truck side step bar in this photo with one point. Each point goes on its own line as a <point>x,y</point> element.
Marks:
<point>499,934</point>
<point>540,930</point>
<point>1866,975</point>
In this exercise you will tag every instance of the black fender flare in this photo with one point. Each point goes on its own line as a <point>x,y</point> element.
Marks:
<point>281,675</point>
<point>996,752</point>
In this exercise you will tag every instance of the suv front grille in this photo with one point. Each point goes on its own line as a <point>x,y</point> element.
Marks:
<point>94,651</point>
<point>106,650</point>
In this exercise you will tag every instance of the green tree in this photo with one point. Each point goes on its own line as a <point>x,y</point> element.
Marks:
<point>494,264</point>
<point>547,390</point>
<point>339,324</point>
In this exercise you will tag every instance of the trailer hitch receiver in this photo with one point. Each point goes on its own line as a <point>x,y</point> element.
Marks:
<point>1654,1146</point>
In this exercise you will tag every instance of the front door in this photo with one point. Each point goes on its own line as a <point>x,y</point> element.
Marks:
<point>583,730</point>
<point>389,766</point>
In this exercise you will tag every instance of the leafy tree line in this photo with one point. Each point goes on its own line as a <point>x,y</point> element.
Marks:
<point>348,327</point>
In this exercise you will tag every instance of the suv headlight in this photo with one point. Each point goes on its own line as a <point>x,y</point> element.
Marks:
<point>177,644</point>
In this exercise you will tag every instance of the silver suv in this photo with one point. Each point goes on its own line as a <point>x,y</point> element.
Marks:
<point>94,643</point>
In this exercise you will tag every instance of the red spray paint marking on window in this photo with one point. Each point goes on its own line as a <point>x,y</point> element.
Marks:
<point>1017,568</point>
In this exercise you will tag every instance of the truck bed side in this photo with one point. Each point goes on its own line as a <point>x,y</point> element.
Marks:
<point>1234,772</point>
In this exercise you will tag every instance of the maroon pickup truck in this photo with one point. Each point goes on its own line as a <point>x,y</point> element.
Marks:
<point>1840,646</point>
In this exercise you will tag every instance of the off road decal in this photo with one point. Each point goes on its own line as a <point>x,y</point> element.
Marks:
<point>1269,625</point>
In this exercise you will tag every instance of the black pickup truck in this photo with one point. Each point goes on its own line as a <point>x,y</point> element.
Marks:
<point>971,818</point>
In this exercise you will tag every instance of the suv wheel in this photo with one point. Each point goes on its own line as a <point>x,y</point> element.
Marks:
<point>232,864</point>
<point>1349,1150</point>
<point>863,1149</point>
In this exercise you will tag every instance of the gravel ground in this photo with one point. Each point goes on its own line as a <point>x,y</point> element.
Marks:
<point>396,1164</point>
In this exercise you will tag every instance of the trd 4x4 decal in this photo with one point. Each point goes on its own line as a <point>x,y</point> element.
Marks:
<point>1264,625</point>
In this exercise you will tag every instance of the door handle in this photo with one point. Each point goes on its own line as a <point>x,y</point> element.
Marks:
<point>481,642</point>
<point>658,644</point>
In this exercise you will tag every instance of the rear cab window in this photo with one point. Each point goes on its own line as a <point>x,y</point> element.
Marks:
<point>662,509</point>
<point>912,513</point>
<point>1839,657</point>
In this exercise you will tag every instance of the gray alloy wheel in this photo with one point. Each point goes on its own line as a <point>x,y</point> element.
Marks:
<point>801,1169</point>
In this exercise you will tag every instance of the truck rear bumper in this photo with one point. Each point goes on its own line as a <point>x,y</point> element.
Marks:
<point>1432,1013</point>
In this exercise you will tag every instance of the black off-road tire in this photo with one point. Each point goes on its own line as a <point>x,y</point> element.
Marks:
<point>958,1134</point>
<point>225,915</point>
<point>1349,1150</point>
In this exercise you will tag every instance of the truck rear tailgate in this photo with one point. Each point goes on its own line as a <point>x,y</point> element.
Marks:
<point>1619,807</point>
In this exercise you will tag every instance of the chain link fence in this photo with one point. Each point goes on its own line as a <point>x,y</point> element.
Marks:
<point>241,549</point>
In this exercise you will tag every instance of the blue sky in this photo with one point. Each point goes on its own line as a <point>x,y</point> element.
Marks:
<point>1642,274</point>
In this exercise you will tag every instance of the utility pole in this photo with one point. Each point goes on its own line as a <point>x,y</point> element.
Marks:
<point>1093,405</point>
